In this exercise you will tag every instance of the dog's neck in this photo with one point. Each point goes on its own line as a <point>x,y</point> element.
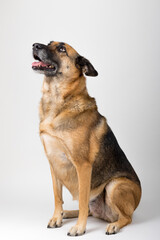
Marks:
<point>61,93</point>
<point>61,88</point>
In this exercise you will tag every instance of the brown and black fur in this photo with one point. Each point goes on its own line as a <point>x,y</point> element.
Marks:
<point>82,150</point>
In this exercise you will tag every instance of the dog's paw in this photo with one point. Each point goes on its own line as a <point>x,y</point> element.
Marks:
<point>55,222</point>
<point>112,228</point>
<point>76,230</point>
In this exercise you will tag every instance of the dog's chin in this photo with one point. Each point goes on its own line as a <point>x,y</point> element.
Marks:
<point>46,70</point>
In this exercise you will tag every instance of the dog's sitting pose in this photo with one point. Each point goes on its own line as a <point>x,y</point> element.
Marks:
<point>82,150</point>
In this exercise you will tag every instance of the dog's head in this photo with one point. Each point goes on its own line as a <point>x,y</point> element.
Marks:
<point>58,58</point>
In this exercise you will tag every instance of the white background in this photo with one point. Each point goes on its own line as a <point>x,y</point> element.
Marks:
<point>121,38</point>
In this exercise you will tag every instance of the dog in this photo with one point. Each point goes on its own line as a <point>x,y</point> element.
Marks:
<point>81,148</point>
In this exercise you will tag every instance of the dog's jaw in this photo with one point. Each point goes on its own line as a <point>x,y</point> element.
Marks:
<point>43,66</point>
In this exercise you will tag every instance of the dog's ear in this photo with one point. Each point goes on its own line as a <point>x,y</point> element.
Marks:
<point>86,67</point>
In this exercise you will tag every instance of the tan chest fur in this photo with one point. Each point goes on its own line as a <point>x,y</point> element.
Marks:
<point>60,160</point>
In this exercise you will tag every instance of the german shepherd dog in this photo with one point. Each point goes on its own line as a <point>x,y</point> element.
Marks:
<point>81,148</point>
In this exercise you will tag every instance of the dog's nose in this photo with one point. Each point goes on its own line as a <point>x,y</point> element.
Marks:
<point>37,46</point>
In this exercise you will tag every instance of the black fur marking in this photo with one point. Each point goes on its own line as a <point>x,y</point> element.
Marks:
<point>86,66</point>
<point>50,43</point>
<point>111,162</point>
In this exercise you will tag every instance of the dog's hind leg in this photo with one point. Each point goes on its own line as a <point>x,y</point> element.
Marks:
<point>122,196</point>
<point>72,214</point>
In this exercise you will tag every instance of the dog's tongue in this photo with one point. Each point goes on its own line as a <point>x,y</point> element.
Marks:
<point>37,64</point>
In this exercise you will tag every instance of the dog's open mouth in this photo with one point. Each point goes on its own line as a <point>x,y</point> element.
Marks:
<point>39,65</point>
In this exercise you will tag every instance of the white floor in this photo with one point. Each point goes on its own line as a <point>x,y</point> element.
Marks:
<point>23,219</point>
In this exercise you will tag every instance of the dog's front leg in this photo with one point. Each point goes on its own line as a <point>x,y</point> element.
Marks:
<point>56,220</point>
<point>84,180</point>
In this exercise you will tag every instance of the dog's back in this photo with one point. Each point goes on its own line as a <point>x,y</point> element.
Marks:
<point>111,162</point>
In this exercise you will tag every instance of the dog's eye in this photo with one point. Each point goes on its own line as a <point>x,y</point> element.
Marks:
<point>62,49</point>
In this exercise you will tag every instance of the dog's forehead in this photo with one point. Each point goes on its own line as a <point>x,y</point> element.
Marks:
<point>70,50</point>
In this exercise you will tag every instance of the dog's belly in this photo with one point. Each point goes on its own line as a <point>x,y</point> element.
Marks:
<point>101,209</point>
<point>62,166</point>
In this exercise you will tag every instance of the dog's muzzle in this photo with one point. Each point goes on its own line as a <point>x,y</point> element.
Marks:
<point>44,63</point>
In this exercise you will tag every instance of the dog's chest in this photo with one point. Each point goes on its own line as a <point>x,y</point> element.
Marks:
<point>58,158</point>
<point>56,152</point>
